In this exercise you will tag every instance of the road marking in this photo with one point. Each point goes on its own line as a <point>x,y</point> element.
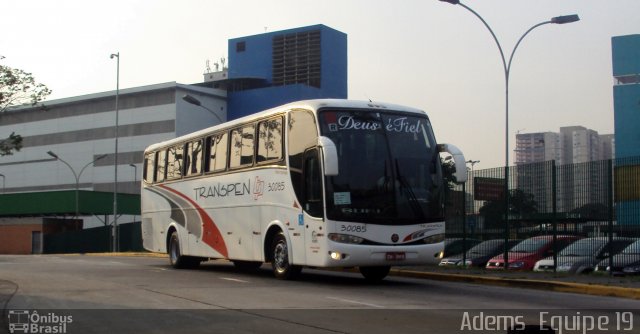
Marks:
<point>355,302</point>
<point>234,280</point>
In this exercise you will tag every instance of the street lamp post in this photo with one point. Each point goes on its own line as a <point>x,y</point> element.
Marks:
<point>3,184</point>
<point>76,176</point>
<point>114,232</point>
<point>192,100</point>
<point>507,68</point>
<point>472,163</point>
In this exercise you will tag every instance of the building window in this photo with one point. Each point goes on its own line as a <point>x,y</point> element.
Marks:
<point>241,46</point>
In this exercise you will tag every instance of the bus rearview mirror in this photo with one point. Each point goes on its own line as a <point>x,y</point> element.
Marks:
<point>458,159</point>
<point>330,155</point>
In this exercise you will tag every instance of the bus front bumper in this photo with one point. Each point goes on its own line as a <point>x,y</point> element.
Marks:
<point>347,255</point>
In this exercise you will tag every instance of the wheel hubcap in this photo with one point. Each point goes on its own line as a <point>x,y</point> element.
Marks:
<point>280,256</point>
<point>174,252</point>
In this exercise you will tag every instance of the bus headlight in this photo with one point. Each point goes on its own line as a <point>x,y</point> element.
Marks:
<point>434,239</point>
<point>335,255</point>
<point>345,238</point>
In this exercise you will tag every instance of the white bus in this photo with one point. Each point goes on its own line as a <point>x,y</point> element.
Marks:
<point>319,183</point>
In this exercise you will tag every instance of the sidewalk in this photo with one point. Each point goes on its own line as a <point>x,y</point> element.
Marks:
<point>593,284</point>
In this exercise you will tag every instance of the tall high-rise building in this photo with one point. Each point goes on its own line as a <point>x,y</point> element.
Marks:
<point>580,145</point>
<point>608,146</point>
<point>573,144</point>
<point>538,147</point>
<point>572,149</point>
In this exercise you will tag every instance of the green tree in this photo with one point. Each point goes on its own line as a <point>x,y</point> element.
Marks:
<point>17,87</point>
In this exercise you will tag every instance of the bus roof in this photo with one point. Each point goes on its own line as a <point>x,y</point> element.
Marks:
<point>313,105</point>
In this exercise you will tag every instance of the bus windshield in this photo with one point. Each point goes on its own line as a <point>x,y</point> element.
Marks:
<point>389,168</point>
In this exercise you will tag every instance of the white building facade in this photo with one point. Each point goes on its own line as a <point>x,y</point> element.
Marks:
<point>81,129</point>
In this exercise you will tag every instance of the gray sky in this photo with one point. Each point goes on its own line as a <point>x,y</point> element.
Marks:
<point>422,53</point>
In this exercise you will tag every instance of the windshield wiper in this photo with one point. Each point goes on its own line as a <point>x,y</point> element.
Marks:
<point>411,196</point>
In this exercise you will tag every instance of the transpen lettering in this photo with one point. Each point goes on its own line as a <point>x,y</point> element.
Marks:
<point>223,190</point>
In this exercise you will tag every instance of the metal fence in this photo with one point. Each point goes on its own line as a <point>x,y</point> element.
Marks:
<point>575,218</point>
<point>95,240</point>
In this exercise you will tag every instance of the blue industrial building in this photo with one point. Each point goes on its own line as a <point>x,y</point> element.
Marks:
<point>275,68</point>
<point>626,100</point>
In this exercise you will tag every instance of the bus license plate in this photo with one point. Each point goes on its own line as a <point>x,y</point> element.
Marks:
<point>396,256</point>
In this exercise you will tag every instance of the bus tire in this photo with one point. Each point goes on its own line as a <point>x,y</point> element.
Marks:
<point>282,268</point>
<point>178,260</point>
<point>375,274</point>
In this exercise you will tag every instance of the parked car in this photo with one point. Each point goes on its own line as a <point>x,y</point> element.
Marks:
<point>626,262</point>
<point>479,254</point>
<point>583,255</point>
<point>525,254</point>
<point>633,269</point>
<point>454,246</point>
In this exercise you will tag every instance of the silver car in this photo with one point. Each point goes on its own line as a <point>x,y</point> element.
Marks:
<point>583,255</point>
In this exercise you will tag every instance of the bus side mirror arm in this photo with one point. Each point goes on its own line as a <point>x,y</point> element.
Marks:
<point>458,160</point>
<point>330,155</point>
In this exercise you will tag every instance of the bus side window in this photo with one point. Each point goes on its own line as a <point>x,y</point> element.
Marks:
<point>303,134</point>
<point>217,160</point>
<point>312,202</point>
<point>242,146</point>
<point>161,166</point>
<point>193,158</point>
<point>269,141</point>
<point>149,167</point>
<point>175,156</point>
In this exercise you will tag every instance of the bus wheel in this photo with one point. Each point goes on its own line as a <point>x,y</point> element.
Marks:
<point>282,269</point>
<point>178,260</point>
<point>375,274</point>
<point>247,265</point>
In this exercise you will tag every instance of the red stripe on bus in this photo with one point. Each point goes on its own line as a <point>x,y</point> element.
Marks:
<point>211,234</point>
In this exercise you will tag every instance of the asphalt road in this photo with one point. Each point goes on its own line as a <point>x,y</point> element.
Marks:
<point>88,294</point>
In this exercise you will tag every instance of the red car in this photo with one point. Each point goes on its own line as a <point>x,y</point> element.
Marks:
<point>524,255</point>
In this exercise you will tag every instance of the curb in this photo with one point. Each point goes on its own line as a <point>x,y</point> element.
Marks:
<point>125,254</point>
<point>588,289</point>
